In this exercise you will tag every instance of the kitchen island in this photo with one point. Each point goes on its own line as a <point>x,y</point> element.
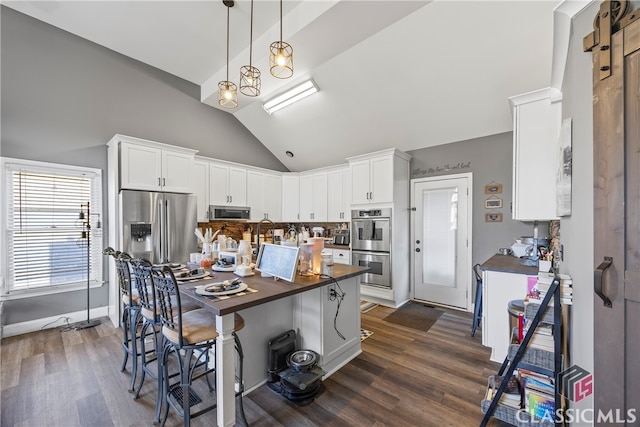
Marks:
<point>503,279</point>
<point>272,307</point>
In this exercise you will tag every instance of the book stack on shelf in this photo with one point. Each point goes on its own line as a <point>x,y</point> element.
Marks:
<point>542,286</point>
<point>543,338</point>
<point>525,400</point>
<point>539,393</point>
<point>511,397</point>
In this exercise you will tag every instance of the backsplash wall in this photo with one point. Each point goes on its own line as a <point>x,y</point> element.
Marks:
<point>234,229</point>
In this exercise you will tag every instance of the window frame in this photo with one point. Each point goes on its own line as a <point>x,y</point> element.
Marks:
<point>7,291</point>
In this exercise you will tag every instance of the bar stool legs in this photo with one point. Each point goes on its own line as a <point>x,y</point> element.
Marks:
<point>134,320</point>
<point>240,392</point>
<point>477,311</point>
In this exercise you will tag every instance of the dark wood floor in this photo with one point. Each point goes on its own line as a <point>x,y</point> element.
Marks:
<point>404,377</point>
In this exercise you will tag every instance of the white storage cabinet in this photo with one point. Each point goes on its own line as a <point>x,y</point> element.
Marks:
<point>290,197</point>
<point>200,187</point>
<point>339,194</point>
<point>227,184</point>
<point>373,176</point>
<point>313,197</point>
<point>536,127</point>
<point>264,195</point>
<point>153,166</point>
<point>498,288</point>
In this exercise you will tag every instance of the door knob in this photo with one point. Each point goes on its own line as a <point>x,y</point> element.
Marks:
<point>417,249</point>
<point>417,242</point>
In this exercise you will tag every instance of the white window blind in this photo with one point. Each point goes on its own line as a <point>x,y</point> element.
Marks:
<point>46,239</point>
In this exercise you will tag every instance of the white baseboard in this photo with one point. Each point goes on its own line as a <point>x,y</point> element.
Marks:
<point>51,322</point>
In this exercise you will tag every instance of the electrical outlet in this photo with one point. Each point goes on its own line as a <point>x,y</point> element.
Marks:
<point>332,292</point>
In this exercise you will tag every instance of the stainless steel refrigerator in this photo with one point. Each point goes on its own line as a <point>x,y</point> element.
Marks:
<point>158,226</point>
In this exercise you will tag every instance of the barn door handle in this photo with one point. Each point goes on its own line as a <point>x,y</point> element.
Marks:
<point>598,280</point>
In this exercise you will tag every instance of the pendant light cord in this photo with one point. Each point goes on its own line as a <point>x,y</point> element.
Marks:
<point>251,38</point>
<point>227,43</point>
<point>281,21</point>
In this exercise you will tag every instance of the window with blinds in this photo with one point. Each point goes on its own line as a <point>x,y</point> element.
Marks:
<point>48,244</point>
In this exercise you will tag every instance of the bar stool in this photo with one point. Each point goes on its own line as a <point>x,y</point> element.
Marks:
<point>150,318</point>
<point>130,312</point>
<point>149,313</point>
<point>187,335</point>
<point>477,310</point>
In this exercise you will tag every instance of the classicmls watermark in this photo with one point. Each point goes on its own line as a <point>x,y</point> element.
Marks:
<point>575,384</point>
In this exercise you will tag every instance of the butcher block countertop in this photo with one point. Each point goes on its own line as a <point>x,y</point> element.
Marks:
<point>268,288</point>
<point>508,264</point>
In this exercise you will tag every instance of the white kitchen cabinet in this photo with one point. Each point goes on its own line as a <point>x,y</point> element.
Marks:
<point>313,197</point>
<point>264,195</point>
<point>153,166</point>
<point>498,288</point>
<point>200,187</point>
<point>227,184</point>
<point>536,127</point>
<point>290,197</point>
<point>341,256</point>
<point>375,176</point>
<point>320,319</point>
<point>338,199</point>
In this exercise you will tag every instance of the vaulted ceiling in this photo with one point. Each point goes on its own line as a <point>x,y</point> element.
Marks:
<point>405,74</point>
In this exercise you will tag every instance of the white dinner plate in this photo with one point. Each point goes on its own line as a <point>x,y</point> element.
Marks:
<point>201,290</point>
<point>194,277</point>
<point>216,267</point>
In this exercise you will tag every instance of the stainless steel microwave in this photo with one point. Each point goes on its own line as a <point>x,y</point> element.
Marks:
<point>229,212</point>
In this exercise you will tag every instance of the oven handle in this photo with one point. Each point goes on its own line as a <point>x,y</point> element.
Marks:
<point>361,252</point>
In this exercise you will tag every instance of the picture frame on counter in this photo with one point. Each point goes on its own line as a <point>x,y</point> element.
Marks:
<point>493,217</point>
<point>493,203</point>
<point>493,188</point>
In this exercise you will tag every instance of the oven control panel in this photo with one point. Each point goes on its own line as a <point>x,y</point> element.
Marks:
<point>371,213</point>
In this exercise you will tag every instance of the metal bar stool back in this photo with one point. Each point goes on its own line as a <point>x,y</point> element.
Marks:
<point>143,282</point>
<point>188,336</point>
<point>130,311</point>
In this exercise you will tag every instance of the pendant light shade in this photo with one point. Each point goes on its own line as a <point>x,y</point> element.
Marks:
<point>227,90</point>
<point>249,75</point>
<point>281,56</point>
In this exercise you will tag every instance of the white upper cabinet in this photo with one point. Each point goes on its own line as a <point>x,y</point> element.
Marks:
<point>536,127</point>
<point>227,185</point>
<point>264,195</point>
<point>338,198</point>
<point>313,196</point>
<point>200,187</point>
<point>153,166</point>
<point>372,176</point>
<point>290,197</point>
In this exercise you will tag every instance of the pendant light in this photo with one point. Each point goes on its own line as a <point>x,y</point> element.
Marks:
<point>250,75</point>
<point>281,56</point>
<point>227,90</point>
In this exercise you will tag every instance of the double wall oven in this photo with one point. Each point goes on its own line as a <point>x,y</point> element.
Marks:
<point>371,245</point>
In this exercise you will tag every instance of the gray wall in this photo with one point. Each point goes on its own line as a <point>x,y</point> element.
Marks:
<point>490,159</point>
<point>577,229</point>
<point>64,97</point>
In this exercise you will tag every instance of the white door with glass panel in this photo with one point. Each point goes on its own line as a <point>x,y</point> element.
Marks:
<point>441,239</point>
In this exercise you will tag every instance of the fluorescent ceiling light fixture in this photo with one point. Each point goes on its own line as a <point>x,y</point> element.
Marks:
<point>289,97</point>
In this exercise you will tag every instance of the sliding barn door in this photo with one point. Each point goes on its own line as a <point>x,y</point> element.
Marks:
<point>615,44</point>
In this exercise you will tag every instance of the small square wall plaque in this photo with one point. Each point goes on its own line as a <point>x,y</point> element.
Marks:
<point>493,217</point>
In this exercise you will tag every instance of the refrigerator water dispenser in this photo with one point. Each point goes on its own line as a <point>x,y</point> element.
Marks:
<point>141,239</point>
